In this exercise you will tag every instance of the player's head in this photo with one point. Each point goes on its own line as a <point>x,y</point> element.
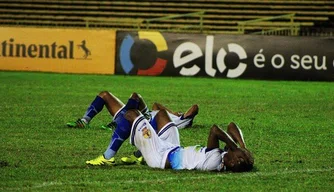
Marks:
<point>239,160</point>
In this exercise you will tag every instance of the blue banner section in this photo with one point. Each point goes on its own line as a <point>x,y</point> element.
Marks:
<point>225,56</point>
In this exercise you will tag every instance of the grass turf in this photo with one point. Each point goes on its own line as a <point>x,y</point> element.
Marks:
<point>288,125</point>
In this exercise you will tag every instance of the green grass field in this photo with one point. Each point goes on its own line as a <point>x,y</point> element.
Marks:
<point>288,125</point>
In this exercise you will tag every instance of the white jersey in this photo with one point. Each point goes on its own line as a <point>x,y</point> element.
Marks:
<point>196,157</point>
<point>156,148</point>
<point>153,148</point>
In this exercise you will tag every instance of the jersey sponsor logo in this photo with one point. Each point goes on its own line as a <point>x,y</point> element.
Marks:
<point>125,53</point>
<point>146,133</point>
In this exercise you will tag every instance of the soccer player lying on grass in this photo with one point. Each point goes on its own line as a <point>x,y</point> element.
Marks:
<point>161,148</point>
<point>113,104</point>
<point>117,109</point>
<point>160,153</point>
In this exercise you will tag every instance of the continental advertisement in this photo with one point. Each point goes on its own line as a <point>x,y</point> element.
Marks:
<point>57,50</point>
<point>225,56</point>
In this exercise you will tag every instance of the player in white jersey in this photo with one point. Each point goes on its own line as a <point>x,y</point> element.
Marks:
<point>117,109</point>
<point>178,120</point>
<point>160,153</point>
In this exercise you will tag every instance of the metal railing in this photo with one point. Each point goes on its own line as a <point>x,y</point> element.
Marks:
<point>199,14</point>
<point>147,23</point>
<point>267,26</point>
<point>92,21</point>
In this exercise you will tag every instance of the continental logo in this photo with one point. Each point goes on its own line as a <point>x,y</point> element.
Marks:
<point>54,50</point>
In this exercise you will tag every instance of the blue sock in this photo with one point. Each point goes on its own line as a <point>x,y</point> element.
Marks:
<point>132,104</point>
<point>115,143</point>
<point>95,107</point>
<point>154,124</point>
<point>121,133</point>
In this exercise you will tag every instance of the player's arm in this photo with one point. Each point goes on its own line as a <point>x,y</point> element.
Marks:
<point>236,134</point>
<point>216,134</point>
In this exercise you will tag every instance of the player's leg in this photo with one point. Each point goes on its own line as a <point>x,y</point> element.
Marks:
<point>113,104</point>
<point>182,120</point>
<point>121,133</point>
<point>166,128</point>
<point>235,132</point>
<point>142,108</point>
<point>137,157</point>
<point>158,106</point>
<point>191,112</point>
<point>187,118</point>
<point>104,98</point>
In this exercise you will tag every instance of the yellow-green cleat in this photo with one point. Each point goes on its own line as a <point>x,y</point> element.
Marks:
<point>78,124</point>
<point>133,160</point>
<point>101,161</point>
<point>112,125</point>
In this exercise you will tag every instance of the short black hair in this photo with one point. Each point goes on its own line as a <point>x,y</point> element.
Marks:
<point>243,166</point>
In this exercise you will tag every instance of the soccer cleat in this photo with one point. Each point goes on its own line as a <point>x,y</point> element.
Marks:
<point>100,160</point>
<point>110,126</point>
<point>129,160</point>
<point>133,160</point>
<point>78,124</point>
<point>193,112</point>
<point>147,115</point>
<point>141,160</point>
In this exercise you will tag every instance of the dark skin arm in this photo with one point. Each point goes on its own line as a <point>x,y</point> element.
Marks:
<point>234,155</point>
<point>216,134</point>
<point>236,134</point>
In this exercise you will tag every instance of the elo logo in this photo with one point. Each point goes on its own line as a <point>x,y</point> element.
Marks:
<point>179,60</point>
<point>125,49</point>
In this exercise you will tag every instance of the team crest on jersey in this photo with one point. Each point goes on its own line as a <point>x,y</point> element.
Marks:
<point>146,133</point>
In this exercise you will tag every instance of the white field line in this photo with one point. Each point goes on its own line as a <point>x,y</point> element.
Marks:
<point>251,174</point>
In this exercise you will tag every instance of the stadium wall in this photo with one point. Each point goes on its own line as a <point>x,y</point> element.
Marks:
<point>57,50</point>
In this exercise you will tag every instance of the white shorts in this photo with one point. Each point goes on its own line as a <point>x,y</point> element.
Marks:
<point>153,148</point>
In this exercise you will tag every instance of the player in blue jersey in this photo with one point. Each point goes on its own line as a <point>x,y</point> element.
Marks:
<point>113,104</point>
<point>159,153</point>
<point>117,109</point>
